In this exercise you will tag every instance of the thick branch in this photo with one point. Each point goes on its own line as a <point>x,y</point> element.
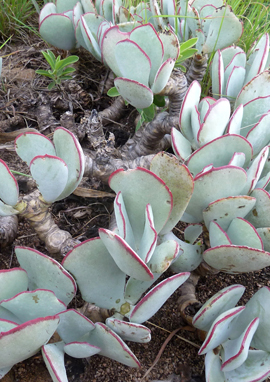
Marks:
<point>187,302</point>
<point>113,112</point>
<point>102,166</point>
<point>197,68</point>
<point>149,138</point>
<point>94,313</point>
<point>8,229</point>
<point>34,208</point>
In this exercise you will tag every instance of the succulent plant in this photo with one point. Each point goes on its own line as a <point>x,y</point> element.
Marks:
<point>31,299</point>
<point>212,22</point>
<point>71,24</point>
<point>232,332</point>
<point>144,207</point>
<point>231,70</point>
<point>142,66</point>
<point>56,169</point>
<point>231,177</point>
<point>57,21</point>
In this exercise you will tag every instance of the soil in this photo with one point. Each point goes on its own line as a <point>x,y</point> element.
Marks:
<point>82,217</point>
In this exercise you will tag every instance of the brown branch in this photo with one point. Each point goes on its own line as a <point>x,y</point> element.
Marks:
<point>197,68</point>
<point>149,139</point>
<point>187,302</point>
<point>113,112</point>
<point>8,229</point>
<point>102,166</point>
<point>94,313</point>
<point>36,210</point>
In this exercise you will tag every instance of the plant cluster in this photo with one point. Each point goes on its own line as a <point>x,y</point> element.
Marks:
<point>230,333</point>
<point>218,182</point>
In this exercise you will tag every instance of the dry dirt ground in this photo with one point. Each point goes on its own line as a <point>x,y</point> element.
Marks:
<point>20,93</point>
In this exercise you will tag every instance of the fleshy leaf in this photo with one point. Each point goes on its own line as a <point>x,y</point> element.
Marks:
<point>90,262</point>
<point>236,351</point>
<point>259,135</point>
<point>51,174</point>
<point>236,259</point>
<point>65,5</point>
<point>164,254</point>
<point>73,325</point>
<point>129,331</point>
<point>124,256</point>
<point>29,145</point>
<point>238,60</point>
<point>224,210</point>
<point>224,30</point>
<point>220,329</point>
<point>156,297</point>
<point>58,30</point>
<point>215,184</point>
<point>249,370</point>
<point>181,146</point>
<point>241,232</point>
<point>258,58</point>
<point>253,111</point>
<point>190,100</point>
<point>180,182</point>
<point>152,46</point>
<point>192,232</point>
<point>257,306</point>
<point>68,148</point>
<point>170,43</point>
<point>259,216</point>
<point>122,220</point>
<point>229,53</point>
<point>265,236</point>
<point>135,288</point>
<point>88,25</point>
<point>135,93</point>
<point>235,122</point>
<point>12,282</point>
<point>217,236</point>
<point>190,255</point>
<point>213,371</point>
<point>88,6</point>
<point>225,146</point>
<point>32,334</point>
<point>81,349</point>
<point>6,210</point>
<point>259,86</point>
<point>255,170</point>
<point>222,301</point>
<point>34,304</point>
<point>53,356</point>
<point>238,160</point>
<point>9,190</point>
<point>46,273</point>
<point>140,187</point>
<point>149,238</point>
<point>235,82</point>
<point>110,38</point>
<point>133,62</point>
<point>112,346</point>
<point>215,121</point>
<point>162,76</point>
<point>217,75</point>
<point>47,10</point>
